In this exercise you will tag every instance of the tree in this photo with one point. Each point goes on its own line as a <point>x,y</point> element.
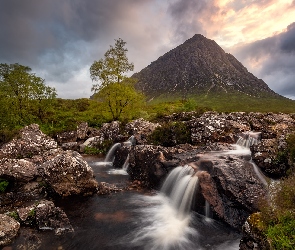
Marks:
<point>112,68</point>
<point>114,89</point>
<point>23,94</point>
<point>121,100</point>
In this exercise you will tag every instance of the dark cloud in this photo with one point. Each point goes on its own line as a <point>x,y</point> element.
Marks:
<point>287,39</point>
<point>273,60</point>
<point>185,15</point>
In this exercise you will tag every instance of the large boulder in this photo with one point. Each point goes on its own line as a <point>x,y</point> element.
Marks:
<point>68,174</point>
<point>8,229</point>
<point>149,164</point>
<point>231,187</point>
<point>46,217</point>
<point>31,141</point>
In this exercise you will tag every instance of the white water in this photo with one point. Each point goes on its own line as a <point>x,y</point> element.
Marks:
<point>161,227</point>
<point>111,153</point>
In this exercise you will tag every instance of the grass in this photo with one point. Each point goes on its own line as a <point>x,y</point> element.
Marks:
<point>234,102</point>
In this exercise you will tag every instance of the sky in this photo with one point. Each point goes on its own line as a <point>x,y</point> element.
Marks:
<point>60,39</point>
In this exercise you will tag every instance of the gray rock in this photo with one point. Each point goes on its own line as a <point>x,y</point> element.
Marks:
<point>69,174</point>
<point>8,229</point>
<point>82,130</point>
<point>50,217</point>
<point>18,170</point>
<point>31,141</point>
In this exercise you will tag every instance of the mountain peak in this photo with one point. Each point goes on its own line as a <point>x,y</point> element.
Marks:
<point>197,66</point>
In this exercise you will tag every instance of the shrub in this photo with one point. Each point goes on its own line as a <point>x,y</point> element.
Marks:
<point>171,134</point>
<point>278,215</point>
<point>3,185</point>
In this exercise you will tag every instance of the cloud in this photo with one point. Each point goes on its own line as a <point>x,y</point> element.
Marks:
<point>272,59</point>
<point>59,39</point>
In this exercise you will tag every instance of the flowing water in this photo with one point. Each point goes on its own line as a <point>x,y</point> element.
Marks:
<point>134,220</point>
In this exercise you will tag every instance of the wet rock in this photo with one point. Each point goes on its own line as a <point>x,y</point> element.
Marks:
<point>8,229</point>
<point>50,217</point>
<point>68,174</point>
<point>108,132</point>
<point>147,164</point>
<point>106,188</point>
<point>31,141</point>
<point>233,189</point>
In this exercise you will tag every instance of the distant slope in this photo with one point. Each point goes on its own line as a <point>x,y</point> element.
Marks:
<point>199,66</point>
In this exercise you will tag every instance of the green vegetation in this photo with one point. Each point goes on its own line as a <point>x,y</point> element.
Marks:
<point>171,134</point>
<point>277,218</point>
<point>115,91</point>
<point>23,96</point>
<point>14,215</point>
<point>232,102</point>
<point>3,185</point>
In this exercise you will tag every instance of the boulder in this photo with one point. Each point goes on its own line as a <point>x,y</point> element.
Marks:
<point>21,170</point>
<point>65,137</point>
<point>31,141</point>
<point>108,132</point>
<point>233,189</point>
<point>82,130</point>
<point>50,217</point>
<point>8,229</point>
<point>68,174</point>
<point>141,129</point>
<point>150,164</point>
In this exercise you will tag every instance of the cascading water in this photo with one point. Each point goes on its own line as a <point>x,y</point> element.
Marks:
<point>246,140</point>
<point>111,153</point>
<point>111,156</point>
<point>180,187</point>
<point>166,221</point>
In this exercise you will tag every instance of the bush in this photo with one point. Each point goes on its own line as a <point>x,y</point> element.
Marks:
<point>3,185</point>
<point>278,215</point>
<point>171,134</point>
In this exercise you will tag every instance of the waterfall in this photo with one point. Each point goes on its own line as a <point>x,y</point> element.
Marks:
<point>259,173</point>
<point>126,164</point>
<point>179,187</point>
<point>247,139</point>
<point>111,153</point>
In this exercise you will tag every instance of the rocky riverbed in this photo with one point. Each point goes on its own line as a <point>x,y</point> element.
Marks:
<point>38,169</point>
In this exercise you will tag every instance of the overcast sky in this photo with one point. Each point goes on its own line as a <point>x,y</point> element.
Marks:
<point>60,39</point>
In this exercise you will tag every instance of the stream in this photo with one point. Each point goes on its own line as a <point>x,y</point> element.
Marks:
<point>129,220</point>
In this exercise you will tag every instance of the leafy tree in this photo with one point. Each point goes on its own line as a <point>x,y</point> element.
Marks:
<point>114,89</point>
<point>24,96</point>
<point>120,100</point>
<point>112,68</point>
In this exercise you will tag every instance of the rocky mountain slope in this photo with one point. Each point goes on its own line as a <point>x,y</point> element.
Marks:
<point>199,66</point>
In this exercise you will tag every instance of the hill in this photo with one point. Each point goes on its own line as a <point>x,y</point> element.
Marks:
<point>199,67</point>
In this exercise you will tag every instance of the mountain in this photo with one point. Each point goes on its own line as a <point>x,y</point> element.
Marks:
<point>199,66</point>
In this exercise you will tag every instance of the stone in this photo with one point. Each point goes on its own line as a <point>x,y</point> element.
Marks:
<point>50,217</point>
<point>68,174</point>
<point>30,141</point>
<point>82,130</point>
<point>18,170</point>
<point>8,229</point>
<point>68,136</point>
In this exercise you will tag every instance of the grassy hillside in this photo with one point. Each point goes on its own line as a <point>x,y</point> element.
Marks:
<point>236,102</point>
